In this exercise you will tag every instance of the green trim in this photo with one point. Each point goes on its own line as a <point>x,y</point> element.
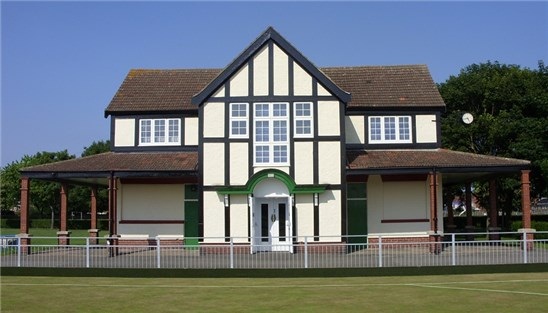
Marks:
<point>271,173</point>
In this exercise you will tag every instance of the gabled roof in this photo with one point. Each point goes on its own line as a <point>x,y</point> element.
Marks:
<point>400,86</point>
<point>377,161</point>
<point>270,35</point>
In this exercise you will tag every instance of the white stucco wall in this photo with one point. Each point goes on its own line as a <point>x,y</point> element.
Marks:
<point>281,72</point>
<point>426,128</point>
<point>124,132</point>
<point>305,216</point>
<point>322,91</point>
<point>214,164</point>
<point>214,217</point>
<point>284,169</point>
<point>214,120</point>
<point>302,82</point>
<point>239,163</point>
<point>355,129</point>
<point>329,159</point>
<point>328,118</point>
<point>239,83</point>
<point>238,217</point>
<point>304,166</point>
<point>219,93</point>
<point>191,131</point>
<point>151,202</point>
<point>260,73</point>
<point>330,215</point>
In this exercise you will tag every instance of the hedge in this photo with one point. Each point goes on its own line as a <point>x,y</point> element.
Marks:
<point>46,223</point>
<point>536,225</point>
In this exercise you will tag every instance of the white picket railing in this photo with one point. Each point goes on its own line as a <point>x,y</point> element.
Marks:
<point>453,250</point>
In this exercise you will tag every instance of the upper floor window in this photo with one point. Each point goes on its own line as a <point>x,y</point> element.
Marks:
<point>303,121</point>
<point>238,120</point>
<point>389,129</point>
<point>271,129</point>
<point>159,131</point>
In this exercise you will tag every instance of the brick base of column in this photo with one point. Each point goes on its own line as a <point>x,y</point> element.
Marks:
<point>530,236</point>
<point>63,238</point>
<point>24,241</point>
<point>435,243</point>
<point>93,236</point>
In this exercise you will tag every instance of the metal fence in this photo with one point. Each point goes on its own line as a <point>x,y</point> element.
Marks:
<point>238,253</point>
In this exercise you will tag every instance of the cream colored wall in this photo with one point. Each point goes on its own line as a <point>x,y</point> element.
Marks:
<point>322,91</point>
<point>304,166</point>
<point>329,159</point>
<point>220,93</point>
<point>214,221</point>
<point>281,72</point>
<point>284,169</point>
<point>260,73</point>
<point>213,164</point>
<point>239,83</point>
<point>328,118</point>
<point>239,163</point>
<point>238,217</point>
<point>214,120</point>
<point>124,132</point>
<point>398,200</point>
<point>426,128</point>
<point>150,202</point>
<point>330,215</point>
<point>302,82</point>
<point>355,129</point>
<point>305,216</point>
<point>191,131</point>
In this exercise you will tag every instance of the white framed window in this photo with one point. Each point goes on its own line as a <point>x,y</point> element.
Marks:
<point>303,122</point>
<point>389,129</point>
<point>271,129</point>
<point>239,118</point>
<point>153,132</point>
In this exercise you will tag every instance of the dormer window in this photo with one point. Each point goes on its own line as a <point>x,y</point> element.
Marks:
<point>154,132</point>
<point>389,129</point>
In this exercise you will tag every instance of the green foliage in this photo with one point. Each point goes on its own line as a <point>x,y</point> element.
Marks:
<point>510,108</point>
<point>536,225</point>
<point>46,223</point>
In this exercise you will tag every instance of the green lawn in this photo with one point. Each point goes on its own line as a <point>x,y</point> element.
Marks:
<point>523,292</point>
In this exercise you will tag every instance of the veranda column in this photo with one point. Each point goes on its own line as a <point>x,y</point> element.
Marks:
<point>451,227</point>
<point>24,219</point>
<point>63,234</point>
<point>493,211</point>
<point>526,206</point>
<point>468,203</point>
<point>93,231</point>
<point>434,236</point>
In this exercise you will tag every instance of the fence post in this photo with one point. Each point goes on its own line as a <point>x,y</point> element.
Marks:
<point>305,252</point>
<point>18,252</point>
<point>524,247</point>
<point>231,252</point>
<point>158,253</point>
<point>380,251</point>
<point>453,251</point>
<point>87,252</point>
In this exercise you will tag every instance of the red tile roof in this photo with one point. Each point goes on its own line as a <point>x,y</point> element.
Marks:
<point>438,158</point>
<point>123,161</point>
<point>370,86</point>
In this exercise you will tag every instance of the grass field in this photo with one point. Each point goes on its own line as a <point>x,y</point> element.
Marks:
<point>522,292</point>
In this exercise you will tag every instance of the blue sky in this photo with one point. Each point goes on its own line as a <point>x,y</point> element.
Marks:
<point>62,62</point>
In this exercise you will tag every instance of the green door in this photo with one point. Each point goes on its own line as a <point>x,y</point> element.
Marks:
<point>357,212</point>
<point>191,216</point>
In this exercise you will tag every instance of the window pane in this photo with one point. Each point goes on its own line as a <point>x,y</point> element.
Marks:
<point>280,154</point>
<point>145,131</point>
<point>302,127</point>
<point>375,128</point>
<point>239,127</point>
<point>239,110</point>
<point>261,154</point>
<point>404,128</point>
<point>261,131</point>
<point>159,131</point>
<point>390,128</point>
<point>173,130</point>
<point>302,109</point>
<point>261,110</point>
<point>280,109</point>
<point>280,130</point>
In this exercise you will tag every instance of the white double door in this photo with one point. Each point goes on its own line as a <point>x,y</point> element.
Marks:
<point>271,225</point>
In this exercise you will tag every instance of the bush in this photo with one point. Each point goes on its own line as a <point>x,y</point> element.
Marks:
<point>536,225</point>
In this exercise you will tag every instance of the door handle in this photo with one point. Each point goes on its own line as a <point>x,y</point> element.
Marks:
<point>273,218</point>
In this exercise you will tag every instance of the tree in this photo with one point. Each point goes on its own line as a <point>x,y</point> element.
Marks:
<point>44,195</point>
<point>510,109</point>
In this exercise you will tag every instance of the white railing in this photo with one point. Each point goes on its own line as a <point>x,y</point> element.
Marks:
<point>308,252</point>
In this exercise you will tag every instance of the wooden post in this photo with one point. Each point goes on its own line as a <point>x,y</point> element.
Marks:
<point>93,231</point>
<point>63,234</point>
<point>468,204</point>
<point>493,211</point>
<point>526,207</point>
<point>24,219</point>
